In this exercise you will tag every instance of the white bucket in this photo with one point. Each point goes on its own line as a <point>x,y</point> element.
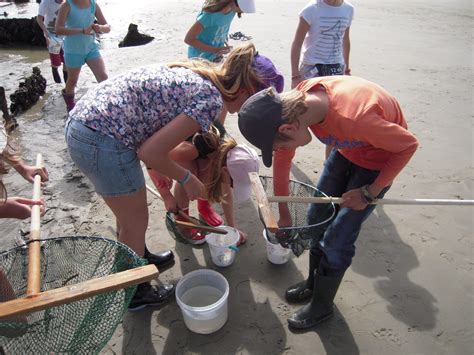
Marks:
<point>202,296</point>
<point>222,246</point>
<point>276,254</point>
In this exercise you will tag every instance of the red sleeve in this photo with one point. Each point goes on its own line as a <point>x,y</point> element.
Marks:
<point>281,171</point>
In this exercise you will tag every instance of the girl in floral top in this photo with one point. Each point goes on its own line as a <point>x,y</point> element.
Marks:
<point>141,116</point>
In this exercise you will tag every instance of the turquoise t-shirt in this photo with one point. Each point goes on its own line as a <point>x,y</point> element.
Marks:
<point>80,18</point>
<point>216,27</point>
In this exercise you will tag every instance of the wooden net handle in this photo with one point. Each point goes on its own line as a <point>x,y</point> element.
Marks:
<point>262,202</point>
<point>68,294</point>
<point>34,261</point>
<point>384,201</point>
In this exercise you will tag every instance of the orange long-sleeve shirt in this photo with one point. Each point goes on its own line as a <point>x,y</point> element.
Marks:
<point>364,122</point>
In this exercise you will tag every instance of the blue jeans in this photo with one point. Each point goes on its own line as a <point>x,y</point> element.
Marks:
<point>113,168</point>
<point>336,246</point>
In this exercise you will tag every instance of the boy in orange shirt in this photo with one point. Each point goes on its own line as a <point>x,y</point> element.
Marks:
<point>366,126</point>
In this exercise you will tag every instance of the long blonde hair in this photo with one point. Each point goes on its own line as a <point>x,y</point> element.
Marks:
<point>232,75</point>
<point>214,6</point>
<point>215,192</point>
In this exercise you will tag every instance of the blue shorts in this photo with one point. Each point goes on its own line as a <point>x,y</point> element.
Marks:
<point>112,167</point>
<point>78,60</point>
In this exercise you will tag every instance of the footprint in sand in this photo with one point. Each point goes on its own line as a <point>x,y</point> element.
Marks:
<point>387,334</point>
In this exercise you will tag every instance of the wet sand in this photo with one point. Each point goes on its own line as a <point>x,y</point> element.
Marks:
<point>410,288</point>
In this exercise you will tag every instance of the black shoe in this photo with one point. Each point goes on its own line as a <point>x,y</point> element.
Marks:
<point>56,77</point>
<point>162,261</point>
<point>148,295</point>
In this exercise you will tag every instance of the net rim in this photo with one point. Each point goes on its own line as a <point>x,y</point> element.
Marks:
<point>313,188</point>
<point>71,237</point>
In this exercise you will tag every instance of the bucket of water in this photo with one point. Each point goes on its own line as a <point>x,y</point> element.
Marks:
<point>202,296</point>
<point>223,246</point>
<point>276,254</point>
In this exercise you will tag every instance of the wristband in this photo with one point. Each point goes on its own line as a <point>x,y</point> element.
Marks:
<point>366,194</point>
<point>185,179</point>
<point>83,31</point>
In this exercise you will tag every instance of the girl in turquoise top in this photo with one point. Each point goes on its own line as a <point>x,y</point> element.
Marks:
<point>76,22</point>
<point>207,39</point>
<point>208,35</point>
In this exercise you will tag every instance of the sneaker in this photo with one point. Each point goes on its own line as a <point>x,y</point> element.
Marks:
<point>148,295</point>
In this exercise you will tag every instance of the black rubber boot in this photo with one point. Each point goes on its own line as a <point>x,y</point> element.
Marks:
<point>56,77</point>
<point>162,261</point>
<point>302,291</point>
<point>321,306</point>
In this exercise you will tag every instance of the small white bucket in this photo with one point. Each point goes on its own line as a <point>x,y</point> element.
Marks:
<point>222,246</point>
<point>202,296</point>
<point>276,254</point>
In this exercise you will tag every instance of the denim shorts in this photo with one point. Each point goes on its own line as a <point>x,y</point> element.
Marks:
<point>78,60</point>
<point>113,168</point>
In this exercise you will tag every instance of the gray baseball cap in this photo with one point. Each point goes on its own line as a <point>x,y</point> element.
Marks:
<point>259,119</point>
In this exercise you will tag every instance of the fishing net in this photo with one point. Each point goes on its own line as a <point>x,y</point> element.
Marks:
<point>302,233</point>
<point>185,235</point>
<point>80,327</point>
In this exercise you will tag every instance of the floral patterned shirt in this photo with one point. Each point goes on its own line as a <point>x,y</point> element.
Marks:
<point>133,106</point>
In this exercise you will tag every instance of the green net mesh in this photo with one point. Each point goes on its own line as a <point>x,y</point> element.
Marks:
<point>80,327</point>
<point>303,232</point>
<point>185,235</point>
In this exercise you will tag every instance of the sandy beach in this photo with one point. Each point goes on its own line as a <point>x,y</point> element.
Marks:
<point>410,287</point>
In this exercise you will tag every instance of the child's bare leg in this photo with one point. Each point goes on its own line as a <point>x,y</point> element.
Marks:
<point>97,67</point>
<point>72,79</point>
<point>131,212</point>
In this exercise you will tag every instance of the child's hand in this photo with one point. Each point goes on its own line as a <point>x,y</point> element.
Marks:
<point>243,237</point>
<point>20,208</point>
<point>223,50</point>
<point>170,204</point>
<point>29,171</point>
<point>354,199</point>
<point>96,28</point>
<point>88,30</point>
<point>295,80</point>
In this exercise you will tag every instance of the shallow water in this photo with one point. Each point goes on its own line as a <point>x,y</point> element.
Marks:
<point>41,127</point>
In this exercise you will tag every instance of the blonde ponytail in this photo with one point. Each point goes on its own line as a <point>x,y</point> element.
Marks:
<point>214,186</point>
<point>231,76</point>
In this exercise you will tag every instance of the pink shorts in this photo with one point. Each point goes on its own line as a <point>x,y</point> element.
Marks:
<point>57,59</point>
